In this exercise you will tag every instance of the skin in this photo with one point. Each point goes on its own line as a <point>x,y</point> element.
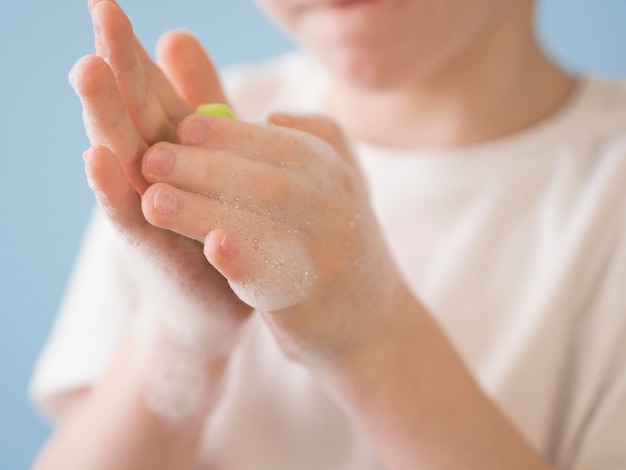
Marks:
<point>126,113</point>
<point>386,360</point>
<point>435,73</point>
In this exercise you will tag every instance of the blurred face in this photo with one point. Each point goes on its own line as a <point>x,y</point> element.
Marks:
<point>381,43</point>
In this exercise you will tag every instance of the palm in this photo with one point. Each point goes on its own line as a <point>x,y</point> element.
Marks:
<point>129,104</point>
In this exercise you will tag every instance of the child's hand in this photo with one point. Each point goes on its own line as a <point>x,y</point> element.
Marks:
<point>129,104</point>
<point>285,217</point>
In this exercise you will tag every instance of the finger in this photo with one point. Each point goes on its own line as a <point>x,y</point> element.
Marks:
<point>318,125</point>
<point>114,193</point>
<point>116,43</point>
<point>221,250</point>
<point>271,144</point>
<point>107,121</point>
<point>217,173</point>
<point>122,205</point>
<point>188,214</point>
<point>190,69</point>
<point>173,105</point>
<point>269,275</point>
<point>195,215</point>
<point>92,3</point>
<point>265,263</point>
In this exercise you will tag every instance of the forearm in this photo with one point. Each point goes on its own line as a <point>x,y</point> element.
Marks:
<point>114,427</point>
<point>421,407</point>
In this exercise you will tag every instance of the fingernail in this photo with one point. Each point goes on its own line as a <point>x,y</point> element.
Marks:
<point>225,247</point>
<point>194,132</point>
<point>161,161</point>
<point>92,3</point>
<point>165,202</point>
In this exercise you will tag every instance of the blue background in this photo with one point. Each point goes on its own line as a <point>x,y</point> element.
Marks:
<point>44,200</point>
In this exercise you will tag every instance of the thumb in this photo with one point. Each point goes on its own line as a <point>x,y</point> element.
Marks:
<point>189,68</point>
<point>319,125</point>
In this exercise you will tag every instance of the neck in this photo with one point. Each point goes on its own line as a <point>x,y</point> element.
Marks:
<point>499,84</point>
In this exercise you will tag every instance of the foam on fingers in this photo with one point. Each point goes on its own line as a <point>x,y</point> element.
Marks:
<point>273,274</point>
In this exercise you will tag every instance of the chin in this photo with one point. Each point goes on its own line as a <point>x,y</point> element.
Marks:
<point>369,71</point>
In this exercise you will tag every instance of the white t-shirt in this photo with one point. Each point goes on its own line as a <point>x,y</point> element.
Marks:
<point>517,246</point>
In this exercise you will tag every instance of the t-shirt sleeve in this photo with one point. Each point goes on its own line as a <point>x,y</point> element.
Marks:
<point>599,442</point>
<point>98,305</point>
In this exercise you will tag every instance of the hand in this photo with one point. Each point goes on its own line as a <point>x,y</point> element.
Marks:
<point>129,104</point>
<point>285,217</point>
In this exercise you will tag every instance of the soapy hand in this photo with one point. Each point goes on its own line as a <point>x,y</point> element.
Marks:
<point>129,103</point>
<point>285,217</point>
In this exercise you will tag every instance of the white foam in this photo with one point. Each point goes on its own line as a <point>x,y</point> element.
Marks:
<point>103,199</point>
<point>172,371</point>
<point>285,277</point>
<point>180,333</point>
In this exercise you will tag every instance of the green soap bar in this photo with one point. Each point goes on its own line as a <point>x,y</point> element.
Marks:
<point>215,109</point>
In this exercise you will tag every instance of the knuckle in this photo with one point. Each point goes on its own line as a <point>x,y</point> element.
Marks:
<point>207,172</point>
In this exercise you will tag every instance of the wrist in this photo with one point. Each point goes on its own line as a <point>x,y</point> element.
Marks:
<point>411,392</point>
<point>396,328</point>
<point>358,341</point>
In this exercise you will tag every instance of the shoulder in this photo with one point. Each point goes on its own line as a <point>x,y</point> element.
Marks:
<point>608,93</point>
<point>288,82</point>
<point>591,146</point>
<point>603,111</point>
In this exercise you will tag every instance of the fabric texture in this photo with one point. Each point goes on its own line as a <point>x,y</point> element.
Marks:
<point>517,247</point>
